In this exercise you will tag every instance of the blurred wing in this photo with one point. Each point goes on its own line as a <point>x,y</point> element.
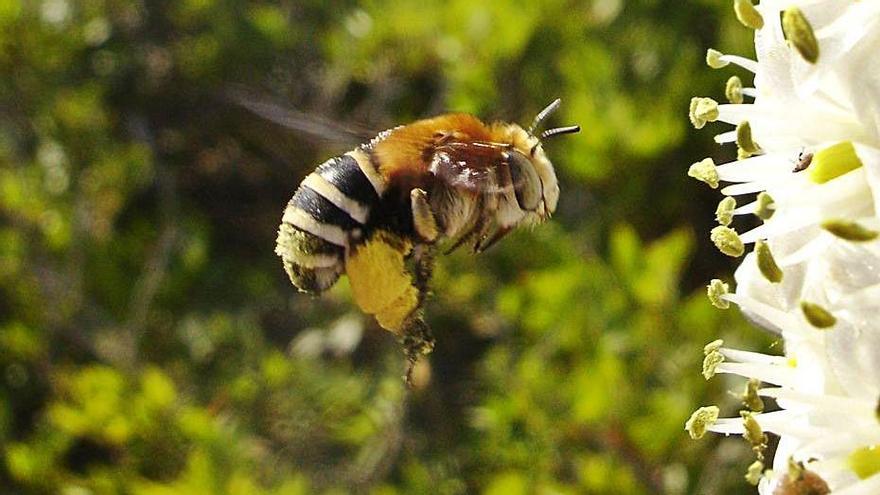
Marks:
<point>312,125</point>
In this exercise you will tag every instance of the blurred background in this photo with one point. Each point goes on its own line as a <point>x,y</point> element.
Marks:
<point>151,343</point>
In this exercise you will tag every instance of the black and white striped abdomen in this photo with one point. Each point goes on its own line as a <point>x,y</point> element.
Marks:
<point>330,205</point>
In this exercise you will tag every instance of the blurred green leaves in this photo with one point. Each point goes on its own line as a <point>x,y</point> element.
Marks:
<point>652,274</point>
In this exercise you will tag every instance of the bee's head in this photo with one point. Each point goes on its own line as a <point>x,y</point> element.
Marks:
<point>534,180</point>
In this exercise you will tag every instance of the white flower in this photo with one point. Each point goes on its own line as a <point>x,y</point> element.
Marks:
<point>809,144</point>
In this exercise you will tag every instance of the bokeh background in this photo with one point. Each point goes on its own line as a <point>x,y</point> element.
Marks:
<point>150,342</point>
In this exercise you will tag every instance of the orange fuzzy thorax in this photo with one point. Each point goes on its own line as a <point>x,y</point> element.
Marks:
<point>406,150</point>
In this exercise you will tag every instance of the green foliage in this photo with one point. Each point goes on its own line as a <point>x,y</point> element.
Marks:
<point>151,344</point>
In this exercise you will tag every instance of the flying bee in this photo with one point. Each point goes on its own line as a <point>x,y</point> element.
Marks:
<point>379,212</point>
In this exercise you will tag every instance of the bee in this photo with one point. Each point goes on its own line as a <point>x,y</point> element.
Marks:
<point>379,212</point>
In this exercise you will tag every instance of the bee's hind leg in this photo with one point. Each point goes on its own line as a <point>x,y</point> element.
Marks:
<point>416,337</point>
<point>417,341</point>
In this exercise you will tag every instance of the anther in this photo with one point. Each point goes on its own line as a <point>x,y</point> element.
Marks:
<point>727,241</point>
<point>817,316</point>
<point>705,171</point>
<point>747,14</point>
<point>799,33</point>
<point>733,90</point>
<point>701,420</point>
<point>703,110</point>
<point>766,263</point>
<point>716,290</point>
<point>724,211</point>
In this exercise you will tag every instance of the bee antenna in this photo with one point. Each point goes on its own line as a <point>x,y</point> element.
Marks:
<point>558,131</point>
<point>543,114</point>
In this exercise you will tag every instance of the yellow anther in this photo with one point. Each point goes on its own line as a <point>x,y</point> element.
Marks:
<point>817,316</point>
<point>705,171</point>
<point>849,230</point>
<point>747,14</point>
<point>766,263</point>
<point>716,291</point>
<point>733,90</point>
<point>703,110</point>
<point>727,241</point>
<point>799,33</point>
<point>724,211</point>
<point>701,420</point>
<point>764,206</point>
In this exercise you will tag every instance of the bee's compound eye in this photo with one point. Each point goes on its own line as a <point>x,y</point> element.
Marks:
<point>526,183</point>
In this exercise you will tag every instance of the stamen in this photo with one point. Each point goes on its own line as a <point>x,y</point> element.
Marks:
<point>750,397</point>
<point>849,230</point>
<point>753,433</point>
<point>727,241</point>
<point>752,357</point>
<point>724,211</point>
<point>776,318</point>
<point>705,171</point>
<point>710,364</point>
<point>733,90</point>
<point>754,473</point>
<point>821,402</point>
<point>817,316</point>
<point>833,161</point>
<point>747,14</point>
<point>716,290</point>
<point>716,344</point>
<point>746,63</point>
<point>799,33</point>
<point>725,137</point>
<point>700,420</point>
<point>767,373</point>
<point>764,206</point>
<point>766,264</point>
<point>713,59</point>
<point>703,110</point>
<point>744,138</point>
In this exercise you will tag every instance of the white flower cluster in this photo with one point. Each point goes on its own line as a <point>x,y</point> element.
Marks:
<point>809,146</point>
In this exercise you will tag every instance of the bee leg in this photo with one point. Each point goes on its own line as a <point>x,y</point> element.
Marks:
<point>423,268</point>
<point>417,338</point>
<point>417,341</point>
<point>423,217</point>
<point>473,234</point>
<point>488,242</point>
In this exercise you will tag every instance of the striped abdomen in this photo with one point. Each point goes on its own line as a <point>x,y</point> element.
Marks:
<point>330,207</point>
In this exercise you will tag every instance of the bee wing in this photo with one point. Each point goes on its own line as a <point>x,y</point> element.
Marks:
<point>309,124</point>
<point>476,167</point>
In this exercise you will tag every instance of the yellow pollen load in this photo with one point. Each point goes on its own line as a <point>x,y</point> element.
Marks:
<point>380,283</point>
